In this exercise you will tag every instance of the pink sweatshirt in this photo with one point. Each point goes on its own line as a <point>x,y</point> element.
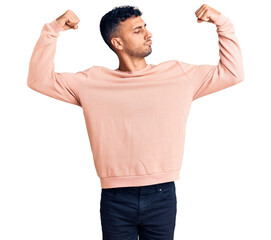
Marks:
<point>136,120</point>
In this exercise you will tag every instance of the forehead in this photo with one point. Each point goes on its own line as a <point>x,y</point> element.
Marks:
<point>132,22</point>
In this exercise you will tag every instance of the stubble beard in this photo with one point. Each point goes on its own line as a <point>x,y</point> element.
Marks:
<point>138,53</point>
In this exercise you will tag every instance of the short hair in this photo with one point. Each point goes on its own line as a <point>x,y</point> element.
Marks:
<point>110,22</point>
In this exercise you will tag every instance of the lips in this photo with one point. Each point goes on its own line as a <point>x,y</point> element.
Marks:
<point>149,43</point>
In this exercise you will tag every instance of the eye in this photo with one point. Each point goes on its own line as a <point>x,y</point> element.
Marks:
<point>137,32</point>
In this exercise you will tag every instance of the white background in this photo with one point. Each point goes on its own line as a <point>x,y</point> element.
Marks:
<point>48,183</point>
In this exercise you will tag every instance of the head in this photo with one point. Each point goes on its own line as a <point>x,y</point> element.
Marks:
<point>124,31</point>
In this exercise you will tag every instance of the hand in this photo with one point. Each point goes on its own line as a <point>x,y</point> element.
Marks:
<point>68,20</point>
<point>207,14</point>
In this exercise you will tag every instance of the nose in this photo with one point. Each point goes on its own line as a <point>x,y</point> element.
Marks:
<point>148,34</point>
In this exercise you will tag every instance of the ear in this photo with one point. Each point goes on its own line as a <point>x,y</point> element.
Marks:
<point>117,43</point>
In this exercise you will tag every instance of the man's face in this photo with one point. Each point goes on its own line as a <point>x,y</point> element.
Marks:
<point>135,37</point>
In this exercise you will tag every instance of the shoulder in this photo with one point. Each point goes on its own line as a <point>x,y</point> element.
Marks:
<point>86,73</point>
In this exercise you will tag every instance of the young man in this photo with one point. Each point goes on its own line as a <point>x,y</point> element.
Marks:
<point>136,114</point>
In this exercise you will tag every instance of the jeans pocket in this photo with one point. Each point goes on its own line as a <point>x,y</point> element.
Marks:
<point>109,193</point>
<point>168,192</point>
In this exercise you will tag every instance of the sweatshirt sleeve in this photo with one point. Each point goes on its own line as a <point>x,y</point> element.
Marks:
<point>42,76</point>
<point>229,71</point>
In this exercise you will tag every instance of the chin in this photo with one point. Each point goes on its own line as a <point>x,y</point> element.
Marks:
<point>147,54</point>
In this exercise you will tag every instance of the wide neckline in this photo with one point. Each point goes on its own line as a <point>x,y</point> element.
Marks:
<point>133,72</point>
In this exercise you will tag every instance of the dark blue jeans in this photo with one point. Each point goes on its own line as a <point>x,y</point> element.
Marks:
<point>147,211</point>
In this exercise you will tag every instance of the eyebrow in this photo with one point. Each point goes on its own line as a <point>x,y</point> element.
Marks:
<point>140,27</point>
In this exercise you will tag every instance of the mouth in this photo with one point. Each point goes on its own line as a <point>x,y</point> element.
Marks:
<point>149,42</point>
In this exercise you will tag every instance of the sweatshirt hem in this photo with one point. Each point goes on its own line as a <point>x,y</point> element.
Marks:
<point>142,180</point>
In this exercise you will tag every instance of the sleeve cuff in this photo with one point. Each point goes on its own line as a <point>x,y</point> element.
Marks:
<point>55,26</point>
<point>221,19</point>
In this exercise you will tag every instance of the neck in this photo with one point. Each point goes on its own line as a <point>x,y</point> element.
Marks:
<point>131,66</point>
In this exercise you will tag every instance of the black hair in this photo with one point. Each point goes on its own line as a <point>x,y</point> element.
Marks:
<point>110,21</point>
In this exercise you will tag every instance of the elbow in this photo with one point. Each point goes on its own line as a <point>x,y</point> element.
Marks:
<point>239,77</point>
<point>30,83</point>
<point>31,86</point>
<point>30,78</point>
<point>33,80</point>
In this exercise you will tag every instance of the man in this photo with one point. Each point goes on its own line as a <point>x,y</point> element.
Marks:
<point>136,114</point>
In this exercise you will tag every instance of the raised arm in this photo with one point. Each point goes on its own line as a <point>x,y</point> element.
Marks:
<point>229,71</point>
<point>42,76</point>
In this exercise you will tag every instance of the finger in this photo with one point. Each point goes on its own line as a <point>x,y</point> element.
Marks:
<point>70,24</point>
<point>201,7</point>
<point>71,12</point>
<point>201,13</point>
<point>197,12</point>
<point>73,18</point>
<point>72,21</point>
<point>76,18</point>
<point>205,16</point>
<point>75,26</point>
<point>75,22</point>
<point>201,10</point>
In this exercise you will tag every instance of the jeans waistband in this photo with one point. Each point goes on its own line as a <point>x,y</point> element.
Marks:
<point>146,189</point>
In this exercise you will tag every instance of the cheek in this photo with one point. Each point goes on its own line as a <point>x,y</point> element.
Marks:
<point>130,43</point>
<point>135,40</point>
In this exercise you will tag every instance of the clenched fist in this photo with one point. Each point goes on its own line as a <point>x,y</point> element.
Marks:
<point>207,14</point>
<point>68,20</point>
